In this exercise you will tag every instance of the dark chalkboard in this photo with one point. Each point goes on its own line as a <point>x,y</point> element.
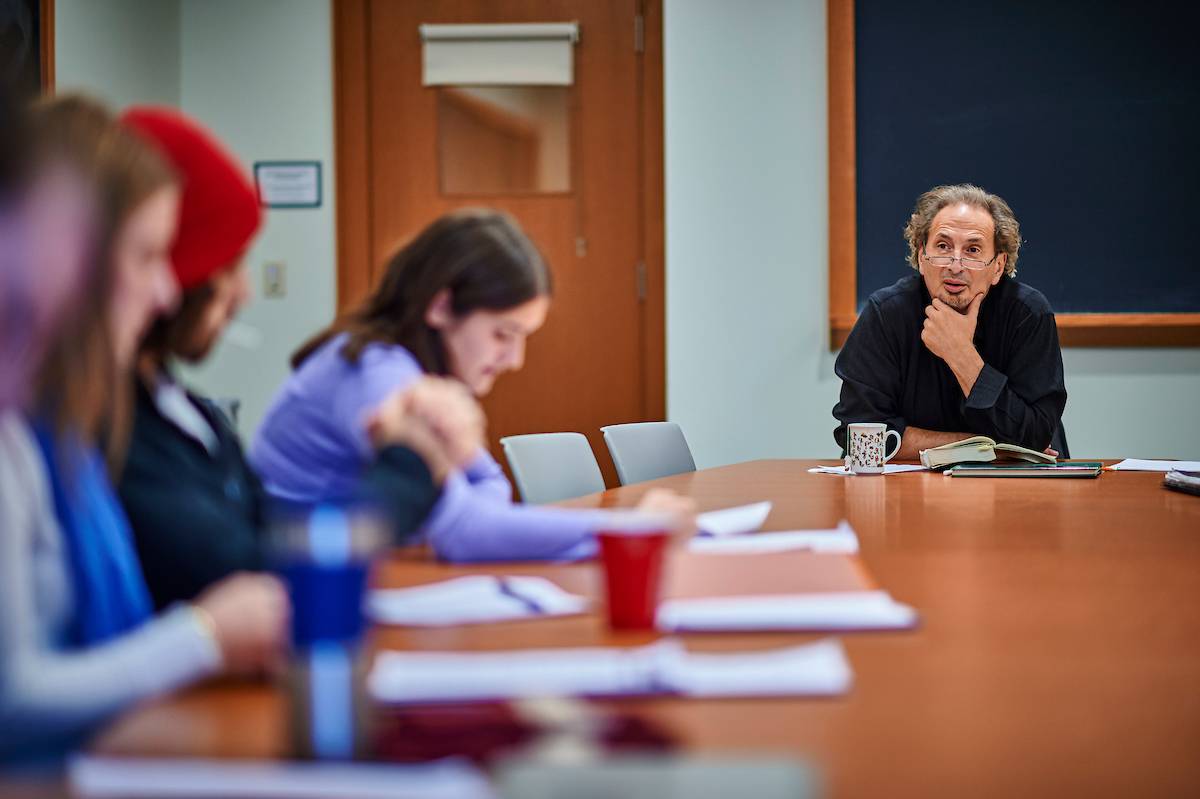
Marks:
<point>21,60</point>
<point>1084,116</point>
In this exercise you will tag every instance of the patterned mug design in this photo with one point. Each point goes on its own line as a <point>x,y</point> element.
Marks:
<point>867,451</point>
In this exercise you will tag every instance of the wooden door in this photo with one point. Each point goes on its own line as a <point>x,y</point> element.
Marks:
<point>599,359</point>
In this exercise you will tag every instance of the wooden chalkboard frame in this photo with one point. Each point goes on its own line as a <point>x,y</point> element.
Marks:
<point>1074,330</point>
<point>46,26</point>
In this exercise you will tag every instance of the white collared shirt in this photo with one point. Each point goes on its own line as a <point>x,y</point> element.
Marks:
<point>173,403</point>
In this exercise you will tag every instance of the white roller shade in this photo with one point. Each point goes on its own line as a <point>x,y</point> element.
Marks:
<point>539,54</point>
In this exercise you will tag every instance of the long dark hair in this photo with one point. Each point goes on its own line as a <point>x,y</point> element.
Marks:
<point>480,256</point>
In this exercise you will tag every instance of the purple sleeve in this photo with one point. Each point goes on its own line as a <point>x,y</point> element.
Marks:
<point>381,371</point>
<point>487,478</point>
<point>470,525</point>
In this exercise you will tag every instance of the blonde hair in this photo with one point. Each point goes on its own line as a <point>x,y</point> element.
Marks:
<point>1007,236</point>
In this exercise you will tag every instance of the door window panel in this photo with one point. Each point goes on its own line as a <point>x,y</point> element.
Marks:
<point>504,139</point>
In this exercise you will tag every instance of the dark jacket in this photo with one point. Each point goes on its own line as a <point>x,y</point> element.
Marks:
<point>198,517</point>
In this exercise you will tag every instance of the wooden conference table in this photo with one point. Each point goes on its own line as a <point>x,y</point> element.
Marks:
<point>1058,655</point>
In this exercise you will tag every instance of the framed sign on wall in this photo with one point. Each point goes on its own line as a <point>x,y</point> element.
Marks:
<point>288,184</point>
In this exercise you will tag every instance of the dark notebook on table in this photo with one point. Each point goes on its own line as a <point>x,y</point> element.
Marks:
<point>1063,469</point>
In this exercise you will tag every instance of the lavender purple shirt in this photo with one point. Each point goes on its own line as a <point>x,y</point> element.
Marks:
<point>313,446</point>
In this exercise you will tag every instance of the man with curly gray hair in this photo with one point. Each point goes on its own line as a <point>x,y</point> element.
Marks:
<point>960,348</point>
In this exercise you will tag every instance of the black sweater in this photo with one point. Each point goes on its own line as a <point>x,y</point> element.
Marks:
<point>889,375</point>
<point>198,517</point>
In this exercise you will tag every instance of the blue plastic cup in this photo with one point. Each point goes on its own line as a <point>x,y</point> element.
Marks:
<point>324,554</point>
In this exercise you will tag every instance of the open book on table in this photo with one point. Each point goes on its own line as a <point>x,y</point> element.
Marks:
<point>978,449</point>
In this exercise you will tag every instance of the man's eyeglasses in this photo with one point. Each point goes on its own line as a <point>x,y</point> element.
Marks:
<point>974,264</point>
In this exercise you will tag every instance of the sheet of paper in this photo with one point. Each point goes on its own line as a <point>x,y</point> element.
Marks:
<point>162,778</point>
<point>665,667</point>
<point>734,521</point>
<point>818,669</point>
<point>1136,465</point>
<point>888,468</point>
<point>840,540</point>
<point>848,610</point>
<point>473,599</point>
<point>466,676</point>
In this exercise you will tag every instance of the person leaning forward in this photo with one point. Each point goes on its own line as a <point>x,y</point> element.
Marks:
<point>961,348</point>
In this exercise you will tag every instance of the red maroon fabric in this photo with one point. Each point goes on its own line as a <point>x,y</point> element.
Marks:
<point>219,214</point>
<point>487,731</point>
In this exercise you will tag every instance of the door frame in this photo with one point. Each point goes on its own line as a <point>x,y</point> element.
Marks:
<point>352,149</point>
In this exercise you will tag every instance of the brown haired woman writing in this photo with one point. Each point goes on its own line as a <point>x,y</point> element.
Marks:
<point>458,301</point>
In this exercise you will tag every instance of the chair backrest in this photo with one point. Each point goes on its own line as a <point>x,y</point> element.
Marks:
<point>648,450</point>
<point>549,467</point>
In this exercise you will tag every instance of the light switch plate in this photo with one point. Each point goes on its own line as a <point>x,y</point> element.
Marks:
<point>274,279</point>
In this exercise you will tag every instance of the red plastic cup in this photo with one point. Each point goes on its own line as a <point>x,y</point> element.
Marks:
<point>633,561</point>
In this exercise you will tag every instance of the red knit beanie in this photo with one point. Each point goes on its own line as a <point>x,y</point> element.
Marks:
<point>219,214</point>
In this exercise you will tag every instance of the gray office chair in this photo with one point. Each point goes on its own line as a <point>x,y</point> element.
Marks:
<point>648,450</point>
<point>552,466</point>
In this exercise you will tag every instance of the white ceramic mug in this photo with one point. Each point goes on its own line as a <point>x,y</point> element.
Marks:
<point>866,447</point>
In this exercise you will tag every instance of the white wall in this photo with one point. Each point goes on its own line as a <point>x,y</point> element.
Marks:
<point>1135,403</point>
<point>122,51</point>
<point>749,374</point>
<point>260,74</point>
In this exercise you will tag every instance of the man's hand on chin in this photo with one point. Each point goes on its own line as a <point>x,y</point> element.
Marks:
<point>948,331</point>
<point>950,335</point>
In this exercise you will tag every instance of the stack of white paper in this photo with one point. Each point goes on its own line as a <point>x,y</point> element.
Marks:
<point>890,468</point>
<point>661,668</point>
<point>449,676</point>
<point>813,669</point>
<point>841,540</point>
<point>1137,465</point>
<point>131,778</point>
<point>478,598</point>
<point>841,611</point>
<point>733,521</point>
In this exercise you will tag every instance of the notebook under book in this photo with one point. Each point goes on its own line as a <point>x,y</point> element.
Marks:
<point>1064,469</point>
<point>979,449</point>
